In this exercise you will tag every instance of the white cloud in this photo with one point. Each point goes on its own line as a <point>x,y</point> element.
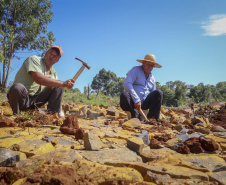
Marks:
<point>215,26</point>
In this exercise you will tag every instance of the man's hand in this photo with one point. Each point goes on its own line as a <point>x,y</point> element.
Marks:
<point>69,83</point>
<point>137,105</point>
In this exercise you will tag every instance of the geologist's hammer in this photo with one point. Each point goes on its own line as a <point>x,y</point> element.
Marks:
<point>84,64</point>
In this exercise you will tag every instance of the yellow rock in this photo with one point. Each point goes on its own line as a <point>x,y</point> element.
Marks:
<point>6,110</point>
<point>163,111</point>
<point>20,181</point>
<point>35,147</point>
<point>111,174</point>
<point>23,156</point>
<point>7,142</point>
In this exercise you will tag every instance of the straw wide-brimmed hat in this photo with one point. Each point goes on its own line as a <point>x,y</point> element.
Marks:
<point>150,58</point>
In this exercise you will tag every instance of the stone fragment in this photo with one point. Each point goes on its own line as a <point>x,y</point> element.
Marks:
<point>210,162</point>
<point>178,127</point>
<point>8,157</point>
<point>118,155</point>
<point>79,134</point>
<point>219,177</point>
<point>7,111</point>
<point>111,111</point>
<point>197,119</point>
<point>203,130</point>
<point>154,143</point>
<point>71,122</point>
<point>153,154</point>
<point>35,147</point>
<point>132,123</point>
<point>194,145</point>
<point>183,149</point>
<point>61,141</point>
<point>59,156</point>
<point>218,129</point>
<point>220,134</point>
<point>6,122</point>
<point>93,114</point>
<point>208,144</point>
<point>173,171</point>
<point>183,136</point>
<point>135,144</point>
<point>92,142</point>
<point>172,143</point>
<point>144,135</point>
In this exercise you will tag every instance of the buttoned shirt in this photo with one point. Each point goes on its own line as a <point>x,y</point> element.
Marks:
<point>36,64</point>
<point>137,84</point>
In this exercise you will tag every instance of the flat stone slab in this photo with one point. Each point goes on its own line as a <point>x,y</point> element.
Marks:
<point>59,156</point>
<point>35,147</point>
<point>61,141</point>
<point>220,177</point>
<point>8,157</point>
<point>211,162</point>
<point>111,156</point>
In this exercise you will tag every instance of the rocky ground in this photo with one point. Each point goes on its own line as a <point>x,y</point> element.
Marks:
<point>99,145</point>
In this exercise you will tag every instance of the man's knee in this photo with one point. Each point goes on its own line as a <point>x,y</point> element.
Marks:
<point>159,93</point>
<point>17,88</point>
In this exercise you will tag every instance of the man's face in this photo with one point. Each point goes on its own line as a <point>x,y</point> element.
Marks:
<point>147,67</point>
<point>52,57</point>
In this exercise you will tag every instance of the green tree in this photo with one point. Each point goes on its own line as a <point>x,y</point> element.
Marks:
<point>108,83</point>
<point>23,25</point>
<point>180,92</point>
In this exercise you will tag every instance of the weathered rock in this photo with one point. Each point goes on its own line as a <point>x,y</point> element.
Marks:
<point>93,114</point>
<point>135,144</point>
<point>6,110</point>
<point>172,143</point>
<point>71,122</point>
<point>6,122</point>
<point>154,143</point>
<point>35,147</point>
<point>111,111</point>
<point>194,145</point>
<point>59,156</point>
<point>202,130</point>
<point>211,162</point>
<point>61,141</point>
<point>219,177</point>
<point>111,156</point>
<point>144,135</point>
<point>8,157</point>
<point>208,144</point>
<point>218,129</point>
<point>132,123</point>
<point>183,149</point>
<point>178,127</point>
<point>92,142</point>
<point>153,154</point>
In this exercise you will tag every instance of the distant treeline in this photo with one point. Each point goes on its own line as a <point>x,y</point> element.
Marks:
<point>175,93</point>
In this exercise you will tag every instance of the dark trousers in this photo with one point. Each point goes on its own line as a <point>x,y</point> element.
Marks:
<point>153,102</point>
<point>19,99</point>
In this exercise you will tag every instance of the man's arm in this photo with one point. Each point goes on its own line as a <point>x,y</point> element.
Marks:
<point>39,78</point>
<point>128,86</point>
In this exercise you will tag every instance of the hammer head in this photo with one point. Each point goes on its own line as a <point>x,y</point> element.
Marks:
<point>83,63</point>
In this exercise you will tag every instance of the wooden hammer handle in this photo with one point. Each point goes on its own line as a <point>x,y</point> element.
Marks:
<point>142,113</point>
<point>79,72</point>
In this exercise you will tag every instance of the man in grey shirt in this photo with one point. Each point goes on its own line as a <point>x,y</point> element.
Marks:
<point>140,90</point>
<point>36,83</point>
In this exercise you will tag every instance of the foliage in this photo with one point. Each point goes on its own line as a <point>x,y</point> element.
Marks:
<point>76,96</point>
<point>23,25</point>
<point>108,83</point>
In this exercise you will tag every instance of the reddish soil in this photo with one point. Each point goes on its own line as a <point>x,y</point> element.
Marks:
<point>219,119</point>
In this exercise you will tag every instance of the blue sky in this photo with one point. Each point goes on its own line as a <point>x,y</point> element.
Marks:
<point>188,38</point>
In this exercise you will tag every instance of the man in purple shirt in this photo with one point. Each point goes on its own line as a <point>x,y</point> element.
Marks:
<point>140,90</point>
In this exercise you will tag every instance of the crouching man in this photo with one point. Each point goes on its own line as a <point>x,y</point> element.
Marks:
<point>36,83</point>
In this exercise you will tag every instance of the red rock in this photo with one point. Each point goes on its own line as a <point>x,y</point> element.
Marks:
<point>194,145</point>
<point>183,149</point>
<point>71,122</point>
<point>154,143</point>
<point>208,144</point>
<point>79,134</point>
